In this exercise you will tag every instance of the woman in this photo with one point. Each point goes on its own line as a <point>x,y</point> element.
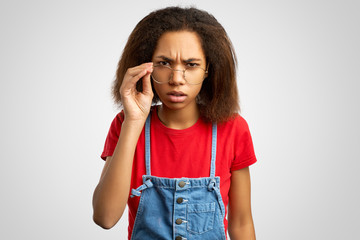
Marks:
<point>178,154</point>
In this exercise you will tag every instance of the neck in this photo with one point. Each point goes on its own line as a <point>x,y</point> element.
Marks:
<point>178,118</point>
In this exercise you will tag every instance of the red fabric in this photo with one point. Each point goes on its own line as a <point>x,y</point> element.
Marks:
<point>186,153</point>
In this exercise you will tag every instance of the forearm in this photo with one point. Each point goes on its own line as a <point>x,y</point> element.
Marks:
<point>242,232</point>
<point>240,221</point>
<point>111,194</point>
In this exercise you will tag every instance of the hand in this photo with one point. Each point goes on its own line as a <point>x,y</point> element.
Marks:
<point>137,104</point>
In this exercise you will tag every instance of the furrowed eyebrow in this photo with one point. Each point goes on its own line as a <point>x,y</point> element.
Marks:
<point>165,58</point>
<point>185,61</point>
<point>192,60</point>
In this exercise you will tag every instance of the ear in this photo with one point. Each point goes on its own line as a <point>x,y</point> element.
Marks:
<point>207,71</point>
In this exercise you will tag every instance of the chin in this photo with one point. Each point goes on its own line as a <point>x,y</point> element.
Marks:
<point>174,105</point>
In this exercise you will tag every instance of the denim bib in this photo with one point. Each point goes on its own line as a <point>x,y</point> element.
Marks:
<point>179,208</point>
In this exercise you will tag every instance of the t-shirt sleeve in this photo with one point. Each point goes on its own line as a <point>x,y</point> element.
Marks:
<point>244,149</point>
<point>113,136</point>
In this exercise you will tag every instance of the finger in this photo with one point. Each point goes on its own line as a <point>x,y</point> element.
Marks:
<point>147,83</point>
<point>137,69</point>
<point>140,75</point>
<point>129,83</point>
<point>133,75</point>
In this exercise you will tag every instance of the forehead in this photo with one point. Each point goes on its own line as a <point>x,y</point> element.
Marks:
<point>183,44</point>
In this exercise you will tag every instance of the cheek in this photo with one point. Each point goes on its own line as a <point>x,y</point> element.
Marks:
<point>197,90</point>
<point>160,90</point>
<point>157,89</point>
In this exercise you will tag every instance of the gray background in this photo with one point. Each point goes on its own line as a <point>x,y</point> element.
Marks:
<point>298,82</point>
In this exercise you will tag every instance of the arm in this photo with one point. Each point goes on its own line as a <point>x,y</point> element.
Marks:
<point>111,194</point>
<point>241,226</point>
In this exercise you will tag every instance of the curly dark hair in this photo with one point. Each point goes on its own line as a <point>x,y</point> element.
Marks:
<point>218,97</point>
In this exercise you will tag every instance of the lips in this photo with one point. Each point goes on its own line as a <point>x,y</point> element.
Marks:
<point>176,96</point>
<point>176,93</point>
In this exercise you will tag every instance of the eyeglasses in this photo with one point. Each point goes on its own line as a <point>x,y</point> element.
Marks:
<point>193,75</point>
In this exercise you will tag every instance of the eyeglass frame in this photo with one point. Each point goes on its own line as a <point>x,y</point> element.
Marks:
<point>179,70</point>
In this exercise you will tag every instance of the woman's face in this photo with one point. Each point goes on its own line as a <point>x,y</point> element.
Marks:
<point>178,50</point>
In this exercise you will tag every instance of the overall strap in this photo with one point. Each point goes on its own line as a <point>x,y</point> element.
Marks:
<point>147,182</point>
<point>147,148</point>
<point>213,150</point>
<point>147,145</point>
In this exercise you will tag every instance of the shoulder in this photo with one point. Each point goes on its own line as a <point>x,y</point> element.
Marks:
<point>116,123</point>
<point>234,136</point>
<point>113,135</point>
<point>120,116</point>
<point>235,129</point>
<point>118,119</point>
<point>236,122</point>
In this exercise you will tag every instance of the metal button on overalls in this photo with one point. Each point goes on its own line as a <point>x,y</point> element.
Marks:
<point>182,184</point>
<point>164,214</point>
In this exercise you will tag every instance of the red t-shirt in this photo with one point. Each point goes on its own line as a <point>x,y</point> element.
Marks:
<point>186,153</point>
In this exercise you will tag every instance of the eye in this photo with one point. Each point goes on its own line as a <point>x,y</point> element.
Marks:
<point>163,63</point>
<point>192,65</point>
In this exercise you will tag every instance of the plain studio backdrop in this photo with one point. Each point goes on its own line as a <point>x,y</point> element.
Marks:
<point>298,78</point>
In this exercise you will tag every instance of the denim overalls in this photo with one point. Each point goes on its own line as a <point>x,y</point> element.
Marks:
<point>179,208</point>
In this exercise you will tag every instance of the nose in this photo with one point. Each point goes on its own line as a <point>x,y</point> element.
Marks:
<point>177,77</point>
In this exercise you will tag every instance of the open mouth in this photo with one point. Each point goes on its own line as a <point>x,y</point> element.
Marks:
<point>176,97</point>
<point>177,94</point>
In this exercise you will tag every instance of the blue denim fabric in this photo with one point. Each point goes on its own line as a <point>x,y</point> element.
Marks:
<point>179,208</point>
